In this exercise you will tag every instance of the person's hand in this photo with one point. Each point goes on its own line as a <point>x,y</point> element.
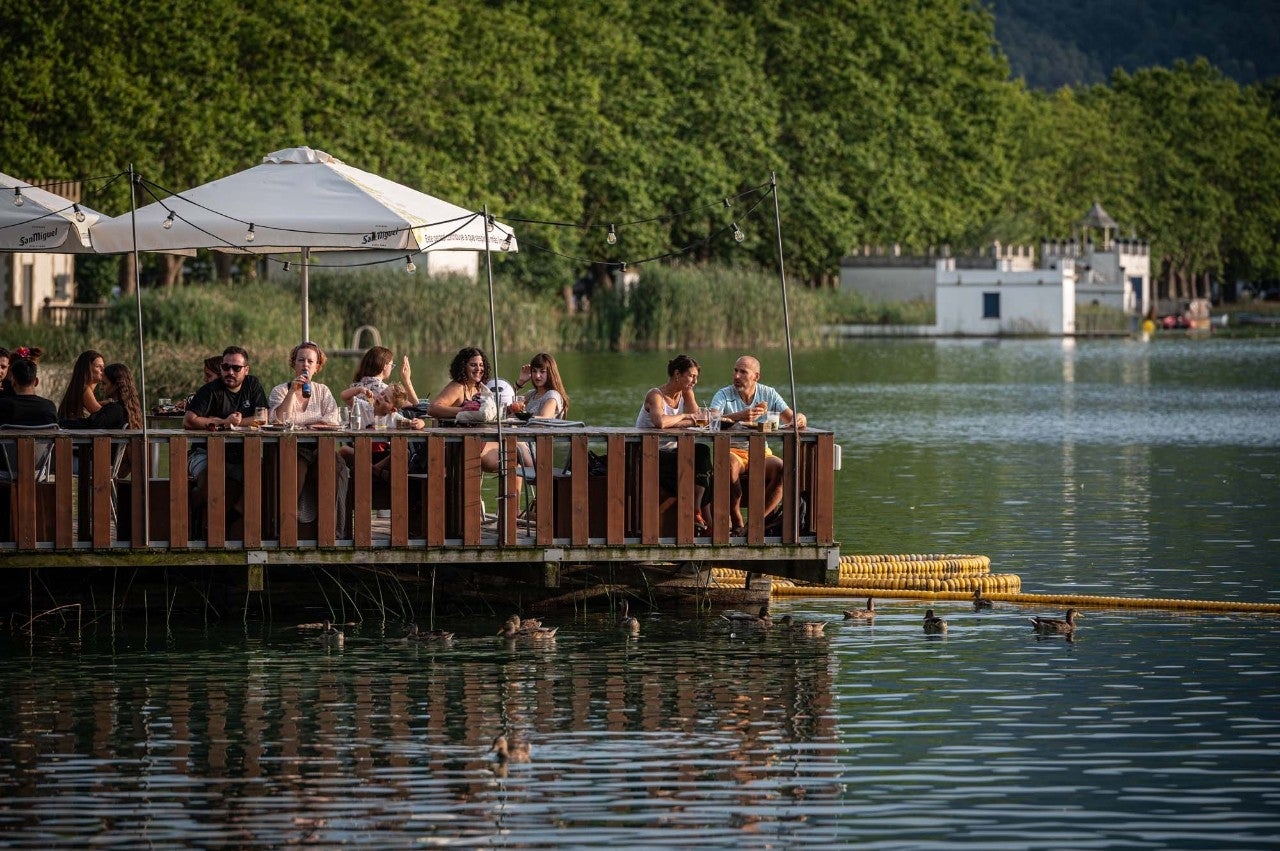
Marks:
<point>234,419</point>
<point>417,424</point>
<point>801,421</point>
<point>405,372</point>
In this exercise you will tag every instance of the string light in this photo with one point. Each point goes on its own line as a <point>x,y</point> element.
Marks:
<point>506,243</point>
<point>17,196</point>
<point>79,212</point>
<point>168,222</point>
<point>727,203</point>
<point>738,235</point>
<point>489,223</point>
<point>249,234</point>
<point>612,238</point>
<point>288,266</point>
<point>409,265</point>
<point>623,267</point>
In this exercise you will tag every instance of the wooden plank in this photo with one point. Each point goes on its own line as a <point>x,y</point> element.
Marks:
<point>754,495</point>
<point>63,459</point>
<point>615,465</point>
<point>362,507</point>
<point>433,506</point>
<point>823,491</point>
<point>470,477</point>
<point>101,478</point>
<point>582,512</point>
<point>649,494</point>
<point>685,498</point>
<point>215,513</point>
<point>545,473</point>
<point>287,490</point>
<point>253,491</point>
<point>24,494</point>
<point>790,477</point>
<point>399,493</point>
<point>721,467</point>
<point>327,461</point>
<point>179,493</point>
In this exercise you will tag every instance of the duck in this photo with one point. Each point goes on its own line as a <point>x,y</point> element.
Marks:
<point>979,601</point>
<point>809,628</point>
<point>932,623</point>
<point>763,620</point>
<point>331,635</point>
<point>511,631</point>
<point>1054,626</point>
<point>526,624</point>
<point>626,622</point>
<point>504,751</point>
<point>427,635</point>
<point>869,613</point>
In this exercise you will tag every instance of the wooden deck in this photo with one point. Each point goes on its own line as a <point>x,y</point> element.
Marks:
<point>84,510</point>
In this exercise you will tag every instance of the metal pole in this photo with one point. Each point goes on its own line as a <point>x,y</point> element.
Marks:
<point>145,484</point>
<point>493,361</point>
<point>306,294</point>
<point>791,366</point>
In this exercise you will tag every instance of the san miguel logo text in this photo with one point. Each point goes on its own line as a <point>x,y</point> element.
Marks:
<point>38,236</point>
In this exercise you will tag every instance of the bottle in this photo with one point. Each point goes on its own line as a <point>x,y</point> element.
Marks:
<point>306,385</point>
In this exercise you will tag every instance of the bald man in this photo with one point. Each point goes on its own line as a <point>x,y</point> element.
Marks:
<point>747,400</point>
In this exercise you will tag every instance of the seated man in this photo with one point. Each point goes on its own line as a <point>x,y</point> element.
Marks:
<point>222,404</point>
<point>23,407</point>
<point>747,400</point>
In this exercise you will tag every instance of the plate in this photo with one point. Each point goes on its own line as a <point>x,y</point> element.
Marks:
<point>324,427</point>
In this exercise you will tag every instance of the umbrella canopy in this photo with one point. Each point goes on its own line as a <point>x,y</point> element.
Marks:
<point>44,222</point>
<point>303,200</point>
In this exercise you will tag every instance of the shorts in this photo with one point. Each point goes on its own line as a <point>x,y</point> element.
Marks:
<point>744,455</point>
<point>198,462</point>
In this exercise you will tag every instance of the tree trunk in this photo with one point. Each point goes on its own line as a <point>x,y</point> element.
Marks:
<point>127,276</point>
<point>222,264</point>
<point>173,267</point>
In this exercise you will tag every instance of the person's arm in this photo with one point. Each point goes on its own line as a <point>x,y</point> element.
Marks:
<point>407,380</point>
<point>654,404</point>
<point>550,406</point>
<point>90,404</point>
<point>353,391</point>
<point>448,402</point>
<point>279,404</point>
<point>786,415</point>
<point>110,416</point>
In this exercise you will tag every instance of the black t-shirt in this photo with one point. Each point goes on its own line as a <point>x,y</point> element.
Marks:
<point>23,409</point>
<point>215,400</point>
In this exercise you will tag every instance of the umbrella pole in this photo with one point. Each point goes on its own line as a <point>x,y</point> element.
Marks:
<point>791,366</point>
<point>493,360</point>
<point>142,364</point>
<point>306,294</point>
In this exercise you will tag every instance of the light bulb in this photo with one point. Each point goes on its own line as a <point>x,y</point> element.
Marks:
<point>489,223</point>
<point>506,243</point>
<point>612,238</point>
<point>17,196</point>
<point>624,267</point>
<point>249,235</point>
<point>738,235</point>
<point>79,212</point>
<point>288,266</point>
<point>727,203</point>
<point>168,222</point>
<point>409,265</point>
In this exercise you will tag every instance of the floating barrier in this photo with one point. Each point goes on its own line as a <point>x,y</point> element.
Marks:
<point>955,577</point>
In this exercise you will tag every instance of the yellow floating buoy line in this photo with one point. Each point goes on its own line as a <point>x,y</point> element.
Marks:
<point>956,577</point>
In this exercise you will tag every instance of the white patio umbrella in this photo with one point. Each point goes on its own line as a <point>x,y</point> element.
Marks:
<point>36,220</point>
<point>301,200</point>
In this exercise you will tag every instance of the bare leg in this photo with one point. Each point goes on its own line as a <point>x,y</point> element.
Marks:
<point>772,484</point>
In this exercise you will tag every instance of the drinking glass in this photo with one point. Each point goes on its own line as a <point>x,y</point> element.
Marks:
<point>713,419</point>
<point>259,417</point>
<point>165,403</point>
<point>771,421</point>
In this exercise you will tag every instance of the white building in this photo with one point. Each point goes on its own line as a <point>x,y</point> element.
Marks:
<point>1004,301</point>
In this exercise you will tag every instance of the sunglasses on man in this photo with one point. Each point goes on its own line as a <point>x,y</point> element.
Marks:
<point>233,367</point>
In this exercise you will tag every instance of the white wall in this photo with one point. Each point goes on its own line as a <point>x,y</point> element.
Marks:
<point>887,283</point>
<point>1040,301</point>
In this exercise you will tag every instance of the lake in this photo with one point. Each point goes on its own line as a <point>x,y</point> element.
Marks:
<point>1100,467</point>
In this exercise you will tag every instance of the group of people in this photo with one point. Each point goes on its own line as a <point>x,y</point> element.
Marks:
<point>103,396</point>
<point>99,395</point>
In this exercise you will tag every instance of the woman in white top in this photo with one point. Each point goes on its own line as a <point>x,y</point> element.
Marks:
<point>303,402</point>
<point>372,374</point>
<point>672,405</point>
<point>547,398</point>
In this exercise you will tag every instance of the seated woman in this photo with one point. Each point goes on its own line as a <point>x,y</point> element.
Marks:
<point>672,405</point>
<point>468,373</point>
<point>387,406</point>
<point>547,396</point>
<point>372,374</point>
<point>121,408</point>
<point>80,399</point>
<point>303,402</point>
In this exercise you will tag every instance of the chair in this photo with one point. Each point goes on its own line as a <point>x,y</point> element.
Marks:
<point>9,479</point>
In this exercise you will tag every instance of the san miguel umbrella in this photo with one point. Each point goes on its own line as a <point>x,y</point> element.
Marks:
<point>301,200</point>
<point>36,220</point>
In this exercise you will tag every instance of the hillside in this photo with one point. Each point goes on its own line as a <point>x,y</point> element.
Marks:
<point>1052,45</point>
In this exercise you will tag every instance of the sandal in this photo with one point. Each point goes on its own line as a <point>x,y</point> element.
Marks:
<point>737,531</point>
<point>700,527</point>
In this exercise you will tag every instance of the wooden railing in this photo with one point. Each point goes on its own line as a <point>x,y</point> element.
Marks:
<point>442,506</point>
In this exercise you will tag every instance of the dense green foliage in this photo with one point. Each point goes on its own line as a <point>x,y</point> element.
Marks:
<point>1052,45</point>
<point>884,123</point>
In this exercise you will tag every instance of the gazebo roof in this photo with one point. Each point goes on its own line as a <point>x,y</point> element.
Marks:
<point>1098,218</point>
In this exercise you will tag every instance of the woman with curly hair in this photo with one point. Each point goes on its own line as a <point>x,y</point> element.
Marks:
<point>80,399</point>
<point>468,374</point>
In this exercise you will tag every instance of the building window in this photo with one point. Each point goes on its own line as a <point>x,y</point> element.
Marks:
<point>991,305</point>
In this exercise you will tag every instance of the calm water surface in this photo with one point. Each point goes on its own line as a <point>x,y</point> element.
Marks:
<point>1104,468</point>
